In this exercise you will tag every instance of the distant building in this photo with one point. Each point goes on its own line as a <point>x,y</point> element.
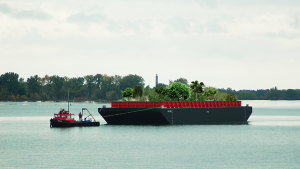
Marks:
<point>156,82</point>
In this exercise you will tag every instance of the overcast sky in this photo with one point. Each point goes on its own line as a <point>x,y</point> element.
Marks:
<point>242,44</point>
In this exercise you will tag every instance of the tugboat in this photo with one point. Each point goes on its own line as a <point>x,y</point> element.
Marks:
<point>66,119</point>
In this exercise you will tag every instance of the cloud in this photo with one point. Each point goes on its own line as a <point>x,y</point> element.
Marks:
<point>86,18</point>
<point>179,24</point>
<point>296,23</point>
<point>5,9</point>
<point>35,14</point>
<point>282,34</point>
<point>207,3</point>
<point>215,27</point>
<point>32,14</point>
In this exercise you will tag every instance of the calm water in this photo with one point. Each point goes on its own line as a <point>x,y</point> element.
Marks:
<point>271,140</point>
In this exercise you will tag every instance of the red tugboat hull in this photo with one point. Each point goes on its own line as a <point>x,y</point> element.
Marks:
<point>62,123</point>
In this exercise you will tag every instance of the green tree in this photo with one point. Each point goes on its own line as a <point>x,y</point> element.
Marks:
<point>127,93</point>
<point>77,83</point>
<point>182,80</point>
<point>34,96</point>
<point>200,97</point>
<point>130,81</point>
<point>23,97</point>
<point>137,92</point>
<point>91,84</point>
<point>11,97</point>
<point>9,84</point>
<point>3,93</point>
<point>94,97</point>
<point>161,91</point>
<point>98,80</point>
<point>161,85</point>
<point>275,94</point>
<point>197,87</point>
<point>230,97</point>
<point>109,95</point>
<point>262,94</point>
<point>34,84</point>
<point>44,96</point>
<point>46,85</point>
<point>153,96</point>
<point>246,94</point>
<point>210,93</point>
<point>57,84</point>
<point>229,90</point>
<point>106,86</point>
<point>115,85</point>
<point>22,87</point>
<point>178,90</point>
<point>291,94</point>
<point>67,87</point>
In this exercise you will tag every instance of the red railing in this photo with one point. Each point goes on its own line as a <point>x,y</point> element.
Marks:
<point>174,104</point>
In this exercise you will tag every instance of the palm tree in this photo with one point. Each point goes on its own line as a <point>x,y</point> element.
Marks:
<point>197,88</point>
<point>137,92</point>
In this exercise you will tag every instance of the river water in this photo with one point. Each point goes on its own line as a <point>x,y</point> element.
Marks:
<point>270,140</point>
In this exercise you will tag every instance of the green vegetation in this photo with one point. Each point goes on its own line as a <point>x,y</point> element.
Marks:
<point>178,91</point>
<point>128,93</point>
<point>105,88</point>
<point>265,94</point>
<point>162,92</point>
<point>181,80</point>
<point>210,94</point>
<point>231,97</point>
<point>197,87</point>
<point>90,87</point>
<point>137,92</point>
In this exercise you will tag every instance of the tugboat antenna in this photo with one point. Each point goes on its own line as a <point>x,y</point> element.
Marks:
<point>68,99</point>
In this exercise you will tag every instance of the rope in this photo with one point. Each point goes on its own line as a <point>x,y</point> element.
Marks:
<point>126,112</point>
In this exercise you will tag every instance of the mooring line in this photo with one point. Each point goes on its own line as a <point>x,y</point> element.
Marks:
<point>126,112</point>
<point>100,110</point>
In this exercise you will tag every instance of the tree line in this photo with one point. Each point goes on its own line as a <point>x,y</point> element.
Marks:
<point>265,94</point>
<point>90,87</point>
<point>106,88</point>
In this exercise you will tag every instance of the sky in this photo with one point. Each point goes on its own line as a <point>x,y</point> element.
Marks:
<point>241,44</point>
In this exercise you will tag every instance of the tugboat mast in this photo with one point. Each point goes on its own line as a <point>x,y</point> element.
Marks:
<point>68,99</point>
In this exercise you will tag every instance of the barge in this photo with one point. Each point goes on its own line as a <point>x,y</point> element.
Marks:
<point>175,112</point>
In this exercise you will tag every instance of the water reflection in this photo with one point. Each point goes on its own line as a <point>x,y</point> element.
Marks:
<point>292,104</point>
<point>274,120</point>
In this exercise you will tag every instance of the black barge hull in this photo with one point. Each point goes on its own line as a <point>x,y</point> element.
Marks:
<point>176,116</point>
<point>61,123</point>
